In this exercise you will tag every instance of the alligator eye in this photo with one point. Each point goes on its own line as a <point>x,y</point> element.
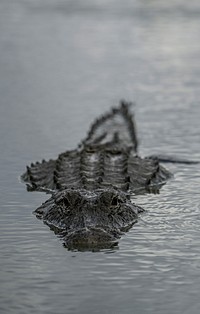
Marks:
<point>114,201</point>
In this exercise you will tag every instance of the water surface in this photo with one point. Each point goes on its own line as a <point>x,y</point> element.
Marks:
<point>62,64</point>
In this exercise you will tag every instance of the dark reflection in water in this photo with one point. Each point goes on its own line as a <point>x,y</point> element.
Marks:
<point>62,64</point>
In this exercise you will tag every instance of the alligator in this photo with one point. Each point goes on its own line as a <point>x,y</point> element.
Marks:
<point>92,187</point>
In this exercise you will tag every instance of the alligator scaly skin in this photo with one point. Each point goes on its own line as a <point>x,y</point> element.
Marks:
<point>91,186</point>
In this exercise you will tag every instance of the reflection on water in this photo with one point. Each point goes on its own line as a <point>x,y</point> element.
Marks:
<point>62,64</point>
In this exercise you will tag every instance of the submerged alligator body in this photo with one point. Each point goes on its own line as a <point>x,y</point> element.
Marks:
<point>91,187</point>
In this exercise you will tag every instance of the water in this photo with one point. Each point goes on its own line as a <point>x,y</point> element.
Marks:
<point>62,64</point>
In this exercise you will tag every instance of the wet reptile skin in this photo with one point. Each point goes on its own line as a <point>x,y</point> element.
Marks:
<point>91,187</point>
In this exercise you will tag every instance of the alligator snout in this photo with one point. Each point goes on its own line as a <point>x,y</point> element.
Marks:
<point>90,238</point>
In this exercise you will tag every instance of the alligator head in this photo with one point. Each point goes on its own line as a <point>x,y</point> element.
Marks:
<point>89,219</point>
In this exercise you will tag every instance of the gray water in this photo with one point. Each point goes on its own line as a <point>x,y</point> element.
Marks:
<point>62,63</point>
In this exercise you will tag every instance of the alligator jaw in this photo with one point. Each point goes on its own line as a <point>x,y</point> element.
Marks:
<point>92,238</point>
